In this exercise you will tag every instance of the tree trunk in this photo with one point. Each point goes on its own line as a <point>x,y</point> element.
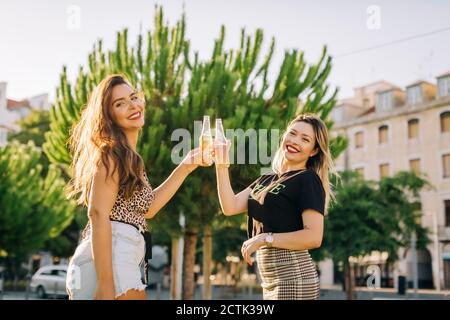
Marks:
<point>174,269</point>
<point>190,244</point>
<point>348,281</point>
<point>15,276</point>
<point>207,257</point>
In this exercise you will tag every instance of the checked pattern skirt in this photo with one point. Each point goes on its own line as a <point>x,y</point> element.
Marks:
<point>287,274</point>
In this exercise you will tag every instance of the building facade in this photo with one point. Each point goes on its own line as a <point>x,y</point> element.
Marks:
<point>391,129</point>
<point>11,111</point>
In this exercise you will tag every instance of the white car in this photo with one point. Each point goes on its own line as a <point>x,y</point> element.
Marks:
<point>50,281</point>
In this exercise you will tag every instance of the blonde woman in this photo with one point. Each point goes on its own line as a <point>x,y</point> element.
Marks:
<point>285,209</point>
<point>109,178</point>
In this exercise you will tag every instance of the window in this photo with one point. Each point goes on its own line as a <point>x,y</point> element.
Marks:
<point>338,113</point>
<point>447,213</point>
<point>414,95</point>
<point>413,129</point>
<point>360,172</point>
<point>359,140</point>
<point>414,165</point>
<point>382,134</point>
<point>59,273</point>
<point>384,101</point>
<point>445,121</point>
<point>446,165</point>
<point>384,170</point>
<point>447,273</point>
<point>444,86</point>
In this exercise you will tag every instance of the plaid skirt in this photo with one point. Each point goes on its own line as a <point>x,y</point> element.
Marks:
<point>287,274</point>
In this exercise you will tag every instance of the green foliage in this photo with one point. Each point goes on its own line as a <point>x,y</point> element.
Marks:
<point>32,208</point>
<point>231,84</point>
<point>369,216</point>
<point>32,128</point>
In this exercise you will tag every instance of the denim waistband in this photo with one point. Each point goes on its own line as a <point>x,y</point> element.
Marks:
<point>138,228</point>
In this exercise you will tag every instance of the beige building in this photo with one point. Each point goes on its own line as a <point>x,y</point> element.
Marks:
<point>11,111</point>
<point>392,129</point>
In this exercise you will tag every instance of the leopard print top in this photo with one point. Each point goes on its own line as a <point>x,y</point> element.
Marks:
<point>131,211</point>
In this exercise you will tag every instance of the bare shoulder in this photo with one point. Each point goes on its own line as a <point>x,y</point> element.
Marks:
<point>105,188</point>
<point>107,171</point>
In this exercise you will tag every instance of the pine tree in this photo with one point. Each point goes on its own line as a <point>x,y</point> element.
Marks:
<point>231,84</point>
<point>33,208</point>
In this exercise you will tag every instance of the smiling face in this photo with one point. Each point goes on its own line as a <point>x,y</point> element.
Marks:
<point>299,143</point>
<point>127,107</point>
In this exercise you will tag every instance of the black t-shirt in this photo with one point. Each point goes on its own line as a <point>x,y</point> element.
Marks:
<point>284,203</point>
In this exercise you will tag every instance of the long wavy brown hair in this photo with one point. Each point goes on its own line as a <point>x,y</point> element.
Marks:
<point>96,139</point>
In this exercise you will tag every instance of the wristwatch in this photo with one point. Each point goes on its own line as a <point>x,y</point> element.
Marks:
<point>268,240</point>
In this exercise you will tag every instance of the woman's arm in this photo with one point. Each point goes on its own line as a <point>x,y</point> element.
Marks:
<point>230,203</point>
<point>169,187</point>
<point>308,238</point>
<point>103,196</point>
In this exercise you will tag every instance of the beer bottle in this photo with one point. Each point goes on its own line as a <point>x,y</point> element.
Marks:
<point>206,142</point>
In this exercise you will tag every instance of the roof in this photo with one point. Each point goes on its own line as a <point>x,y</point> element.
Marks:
<point>415,83</point>
<point>14,104</point>
<point>347,104</point>
<point>446,74</point>
<point>370,110</point>
<point>390,89</point>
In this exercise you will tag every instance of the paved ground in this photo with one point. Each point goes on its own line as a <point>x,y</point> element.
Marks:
<point>330,293</point>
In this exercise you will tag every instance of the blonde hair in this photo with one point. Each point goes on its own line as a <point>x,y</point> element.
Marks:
<point>97,139</point>
<point>321,163</point>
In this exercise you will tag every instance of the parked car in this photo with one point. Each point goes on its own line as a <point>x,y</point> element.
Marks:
<point>50,281</point>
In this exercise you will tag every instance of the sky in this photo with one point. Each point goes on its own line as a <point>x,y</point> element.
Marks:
<point>38,37</point>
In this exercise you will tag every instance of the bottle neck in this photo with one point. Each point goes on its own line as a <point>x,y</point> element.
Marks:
<point>220,134</point>
<point>206,132</point>
<point>206,128</point>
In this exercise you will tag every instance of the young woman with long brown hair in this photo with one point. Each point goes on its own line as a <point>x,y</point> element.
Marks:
<point>285,209</point>
<point>109,179</point>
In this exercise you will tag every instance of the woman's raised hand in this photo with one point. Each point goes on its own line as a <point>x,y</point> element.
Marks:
<point>195,158</point>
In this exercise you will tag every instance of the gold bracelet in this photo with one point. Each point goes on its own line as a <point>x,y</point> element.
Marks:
<point>222,165</point>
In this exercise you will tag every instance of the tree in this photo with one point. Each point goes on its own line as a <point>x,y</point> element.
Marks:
<point>32,208</point>
<point>369,216</point>
<point>231,84</point>
<point>33,128</point>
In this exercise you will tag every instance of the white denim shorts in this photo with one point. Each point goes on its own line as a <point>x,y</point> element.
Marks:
<point>128,251</point>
